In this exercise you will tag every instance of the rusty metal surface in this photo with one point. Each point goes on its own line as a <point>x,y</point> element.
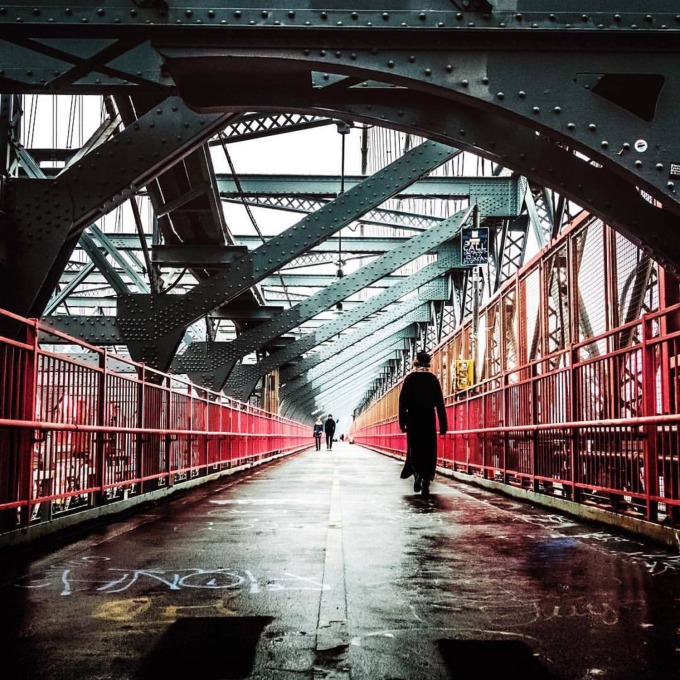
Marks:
<point>327,565</point>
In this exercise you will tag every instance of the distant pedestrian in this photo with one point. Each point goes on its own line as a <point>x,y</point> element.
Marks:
<point>420,398</point>
<point>329,429</point>
<point>318,431</point>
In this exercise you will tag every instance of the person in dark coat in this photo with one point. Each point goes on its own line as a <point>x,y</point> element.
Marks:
<point>420,398</point>
<point>329,429</point>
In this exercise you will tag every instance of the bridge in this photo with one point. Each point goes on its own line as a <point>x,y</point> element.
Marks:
<point>219,221</point>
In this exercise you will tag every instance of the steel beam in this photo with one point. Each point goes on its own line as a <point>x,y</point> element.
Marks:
<point>153,325</point>
<point>563,73</point>
<point>286,320</point>
<point>447,259</point>
<point>373,355</point>
<point>43,219</point>
<point>375,332</point>
<point>487,192</point>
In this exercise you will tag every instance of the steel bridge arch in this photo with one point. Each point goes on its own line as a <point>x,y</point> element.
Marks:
<point>610,185</point>
<point>600,81</point>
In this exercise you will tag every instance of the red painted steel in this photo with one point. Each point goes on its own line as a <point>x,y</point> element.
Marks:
<point>595,421</point>
<point>88,428</point>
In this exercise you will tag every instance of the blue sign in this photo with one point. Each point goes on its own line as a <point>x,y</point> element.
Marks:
<point>475,246</point>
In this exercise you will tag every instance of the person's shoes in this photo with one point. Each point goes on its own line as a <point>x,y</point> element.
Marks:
<point>426,487</point>
<point>417,485</point>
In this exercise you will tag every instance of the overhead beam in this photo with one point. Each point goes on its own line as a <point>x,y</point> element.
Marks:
<point>44,218</point>
<point>287,319</point>
<point>153,325</point>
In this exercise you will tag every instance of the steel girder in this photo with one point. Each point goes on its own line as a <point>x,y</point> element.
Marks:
<point>566,73</point>
<point>288,278</point>
<point>153,324</point>
<point>475,32</point>
<point>256,126</point>
<point>386,218</point>
<point>172,255</point>
<point>374,356</point>
<point>403,330</point>
<point>494,195</point>
<point>395,318</point>
<point>395,333</point>
<point>448,258</point>
<point>44,218</point>
<point>347,383</point>
<point>251,340</point>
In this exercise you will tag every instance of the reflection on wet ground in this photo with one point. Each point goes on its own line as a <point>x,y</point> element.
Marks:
<point>328,565</point>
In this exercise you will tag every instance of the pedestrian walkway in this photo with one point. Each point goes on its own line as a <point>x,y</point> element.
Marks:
<point>327,565</point>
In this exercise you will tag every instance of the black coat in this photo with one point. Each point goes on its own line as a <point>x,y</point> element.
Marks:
<point>420,398</point>
<point>329,426</point>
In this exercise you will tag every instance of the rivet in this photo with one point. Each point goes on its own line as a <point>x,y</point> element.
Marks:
<point>638,164</point>
<point>449,68</point>
<point>500,95</point>
<point>355,16</point>
<point>188,13</point>
<point>626,146</point>
<point>557,109</point>
<point>617,18</point>
<point>604,143</point>
<point>412,59</point>
<point>422,16</point>
<point>385,16</point>
<point>324,15</point>
<point>390,63</point>
<point>592,126</point>
<point>237,13</point>
<point>536,109</point>
<point>670,185</point>
<point>518,17</point>
<point>428,71</point>
<point>571,126</point>
<point>521,94</point>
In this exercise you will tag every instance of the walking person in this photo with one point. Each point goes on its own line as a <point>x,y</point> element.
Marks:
<point>420,398</point>
<point>318,431</point>
<point>329,429</point>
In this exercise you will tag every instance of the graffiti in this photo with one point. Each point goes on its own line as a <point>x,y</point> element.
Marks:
<point>69,580</point>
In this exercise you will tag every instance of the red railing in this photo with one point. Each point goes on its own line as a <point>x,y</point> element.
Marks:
<point>88,428</point>
<point>592,426</point>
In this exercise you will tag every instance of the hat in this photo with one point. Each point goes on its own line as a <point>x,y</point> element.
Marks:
<point>422,358</point>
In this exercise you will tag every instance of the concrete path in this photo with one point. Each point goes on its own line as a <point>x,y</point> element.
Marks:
<point>327,565</point>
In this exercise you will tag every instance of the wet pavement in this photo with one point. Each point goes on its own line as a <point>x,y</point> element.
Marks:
<point>327,565</point>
